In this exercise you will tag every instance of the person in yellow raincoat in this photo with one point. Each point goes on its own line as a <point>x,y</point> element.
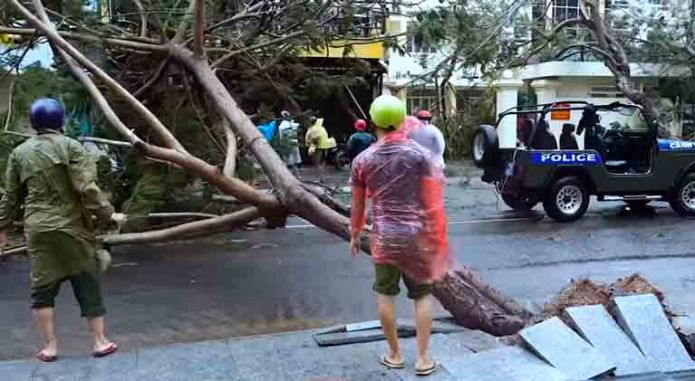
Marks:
<point>53,177</point>
<point>319,143</point>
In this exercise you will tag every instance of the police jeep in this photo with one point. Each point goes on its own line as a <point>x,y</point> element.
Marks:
<point>621,159</point>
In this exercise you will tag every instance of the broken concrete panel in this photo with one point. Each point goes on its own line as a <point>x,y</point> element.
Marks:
<point>597,326</point>
<point>642,317</point>
<point>564,349</point>
<point>509,364</point>
<point>342,338</point>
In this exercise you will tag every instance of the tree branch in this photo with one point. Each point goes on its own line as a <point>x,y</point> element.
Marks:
<point>162,132</point>
<point>143,18</point>
<point>262,45</point>
<point>189,230</point>
<point>155,77</point>
<point>114,42</point>
<point>183,25</point>
<point>199,28</point>
<point>230,159</point>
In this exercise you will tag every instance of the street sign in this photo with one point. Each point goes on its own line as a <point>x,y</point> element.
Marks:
<point>560,112</point>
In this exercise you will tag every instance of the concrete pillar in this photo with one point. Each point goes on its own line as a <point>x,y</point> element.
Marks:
<point>507,97</point>
<point>400,93</point>
<point>546,92</point>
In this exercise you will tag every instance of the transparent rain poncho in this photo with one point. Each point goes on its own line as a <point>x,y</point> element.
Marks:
<point>409,224</point>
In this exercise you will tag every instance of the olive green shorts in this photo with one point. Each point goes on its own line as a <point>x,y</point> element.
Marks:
<point>389,276</point>
<point>86,288</point>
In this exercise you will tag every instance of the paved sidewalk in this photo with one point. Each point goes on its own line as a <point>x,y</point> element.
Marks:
<point>291,356</point>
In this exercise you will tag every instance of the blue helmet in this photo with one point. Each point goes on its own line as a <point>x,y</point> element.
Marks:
<point>47,113</point>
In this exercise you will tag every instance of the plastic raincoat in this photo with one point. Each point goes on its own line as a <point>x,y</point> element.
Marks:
<point>409,220</point>
<point>55,179</point>
<point>317,137</point>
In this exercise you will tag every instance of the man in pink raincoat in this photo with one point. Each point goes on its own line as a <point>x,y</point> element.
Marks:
<point>408,237</point>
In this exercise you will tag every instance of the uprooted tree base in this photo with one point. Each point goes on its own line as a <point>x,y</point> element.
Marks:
<point>584,292</point>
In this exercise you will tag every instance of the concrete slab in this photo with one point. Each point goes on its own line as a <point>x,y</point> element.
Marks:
<point>597,326</point>
<point>643,319</point>
<point>18,370</point>
<point>475,341</point>
<point>365,325</point>
<point>560,346</point>
<point>207,360</point>
<point>440,347</point>
<point>509,364</point>
<point>342,338</point>
<point>121,366</point>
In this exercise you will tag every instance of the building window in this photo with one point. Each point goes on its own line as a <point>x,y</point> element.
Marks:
<point>421,100</point>
<point>565,10</point>
<point>414,42</point>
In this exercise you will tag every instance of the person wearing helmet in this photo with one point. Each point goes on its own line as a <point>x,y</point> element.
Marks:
<point>408,238</point>
<point>55,180</point>
<point>430,137</point>
<point>360,140</point>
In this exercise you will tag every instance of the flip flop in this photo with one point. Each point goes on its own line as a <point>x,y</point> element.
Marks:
<point>427,371</point>
<point>112,348</point>
<point>384,360</point>
<point>45,358</point>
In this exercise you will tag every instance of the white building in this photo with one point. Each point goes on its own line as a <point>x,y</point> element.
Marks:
<point>569,79</point>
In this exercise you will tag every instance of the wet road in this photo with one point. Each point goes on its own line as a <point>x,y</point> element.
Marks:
<point>266,281</point>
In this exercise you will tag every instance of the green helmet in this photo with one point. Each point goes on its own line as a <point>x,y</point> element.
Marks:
<point>387,112</point>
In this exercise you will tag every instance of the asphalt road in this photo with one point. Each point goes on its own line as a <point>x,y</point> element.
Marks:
<point>268,281</point>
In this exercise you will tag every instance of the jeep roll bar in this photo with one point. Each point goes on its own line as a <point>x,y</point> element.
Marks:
<point>547,107</point>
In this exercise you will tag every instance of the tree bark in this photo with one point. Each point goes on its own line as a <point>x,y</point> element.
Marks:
<point>230,160</point>
<point>199,28</point>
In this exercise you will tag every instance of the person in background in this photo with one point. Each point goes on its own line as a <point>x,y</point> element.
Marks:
<point>319,143</point>
<point>289,130</point>
<point>430,137</point>
<point>52,176</point>
<point>360,140</point>
<point>408,238</point>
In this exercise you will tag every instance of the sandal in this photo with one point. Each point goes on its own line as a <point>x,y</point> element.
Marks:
<point>384,360</point>
<point>44,357</point>
<point>427,371</point>
<point>112,348</point>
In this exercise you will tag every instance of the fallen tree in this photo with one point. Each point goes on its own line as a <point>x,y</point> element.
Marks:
<point>472,302</point>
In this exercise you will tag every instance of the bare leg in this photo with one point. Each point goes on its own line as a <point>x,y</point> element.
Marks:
<point>45,322</point>
<point>423,325</point>
<point>387,315</point>
<point>96,325</point>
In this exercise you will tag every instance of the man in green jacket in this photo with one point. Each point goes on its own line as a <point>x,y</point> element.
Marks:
<point>53,177</point>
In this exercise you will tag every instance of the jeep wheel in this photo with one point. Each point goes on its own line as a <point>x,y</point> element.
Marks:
<point>520,202</point>
<point>484,140</point>
<point>567,199</point>
<point>683,202</point>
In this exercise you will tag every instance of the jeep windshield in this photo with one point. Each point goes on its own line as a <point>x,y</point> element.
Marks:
<point>623,118</point>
